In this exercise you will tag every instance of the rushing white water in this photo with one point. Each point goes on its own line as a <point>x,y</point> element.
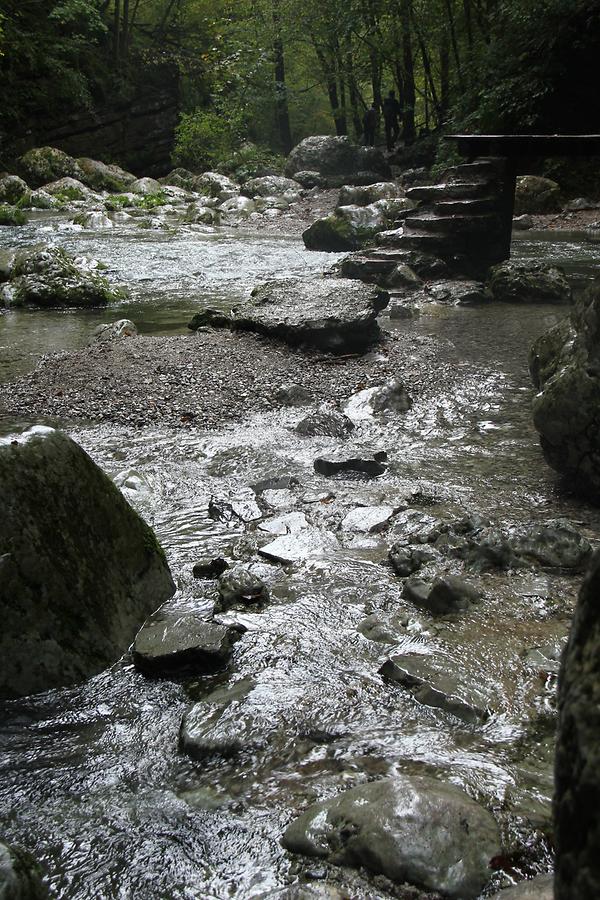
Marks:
<point>92,779</point>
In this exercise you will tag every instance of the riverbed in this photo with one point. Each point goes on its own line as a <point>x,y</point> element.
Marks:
<point>93,781</point>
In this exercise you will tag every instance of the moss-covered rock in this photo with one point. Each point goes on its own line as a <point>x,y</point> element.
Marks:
<point>566,412</point>
<point>67,189</point>
<point>523,282</point>
<point>20,875</point>
<point>349,228</point>
<point>44,164</point>
<point>13,190</point>
<point>79,569</point>
<point>536,195</point>
<point>48,276</point>
<point>10,215</point>
<point>103,177</point>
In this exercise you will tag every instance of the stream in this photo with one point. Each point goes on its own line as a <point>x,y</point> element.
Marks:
<point>93,782</point>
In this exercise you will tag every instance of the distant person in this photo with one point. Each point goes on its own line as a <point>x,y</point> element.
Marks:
<point>391,118</point>
<point>369,125</point>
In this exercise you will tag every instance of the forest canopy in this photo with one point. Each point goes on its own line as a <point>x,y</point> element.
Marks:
<point>274,71</point>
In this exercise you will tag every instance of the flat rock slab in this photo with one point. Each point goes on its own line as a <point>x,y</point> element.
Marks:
<point>418,674</point>
<point>297,547</point>
<point>410,829</point>
<point>333,315</point>
<point>368,519</point>
<point>169,642</point>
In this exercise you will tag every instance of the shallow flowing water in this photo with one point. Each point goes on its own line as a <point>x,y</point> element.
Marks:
<point>92,779</point>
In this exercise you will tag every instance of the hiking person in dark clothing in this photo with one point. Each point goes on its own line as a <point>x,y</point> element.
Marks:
<point>391,118</point>
<point>369,125</point>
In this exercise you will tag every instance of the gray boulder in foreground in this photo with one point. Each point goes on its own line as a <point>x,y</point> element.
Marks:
<point>334,315</point>
<point>410,829</point>
<point>79,569</point>
<point>170,642</point>
<point>20,876</point>
<point>576,821</point>
<point>338,161</point>
<point>565,365</point>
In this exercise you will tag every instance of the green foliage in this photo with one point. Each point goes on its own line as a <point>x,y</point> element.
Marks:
<point>68,194</point>
<point>140,201</point>
<point>252,161</point>
<point>10,215</point>
<point>203,139</point>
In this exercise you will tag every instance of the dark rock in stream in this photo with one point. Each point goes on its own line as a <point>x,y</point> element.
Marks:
<point>525,282</point>
<point>436,688</point>
<point>448,594</point>
<point>327,422</point>
<point>338,316</point>
<point>405,559</point>
<point>410,829</point>
<point>172,642</point>
<point>240,585</point>
<point>211,567</point>
<point>577,825</point>
<point>20,876</point>
<point>337,464</point>
<point>565,365</point>
<point>79,569</point>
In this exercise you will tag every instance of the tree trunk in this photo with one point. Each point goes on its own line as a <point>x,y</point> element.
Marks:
<point>408,111</point>
<point>332,90</point>
<point>125,31</point>
<point>117,31</point>
<point>452,27</point>
<point>281,102</point>
<point>444,77</point>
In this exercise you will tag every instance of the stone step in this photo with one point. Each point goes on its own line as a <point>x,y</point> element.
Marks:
<point>368,267</point>
<point>455,190</point>
<point>429,221</point>
<point>484,168</point>
<point>463,207</point>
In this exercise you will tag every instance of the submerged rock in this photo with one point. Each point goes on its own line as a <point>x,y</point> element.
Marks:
<point>211,567</point>
<point>576,822</point>
<point>406,560</point>
<point>327,422</point>
<point>48,276</point>
<point>332,315</point>
<point>217,724</point>
<point>367,519</point>
<point>566,413</point>
<point>524,282</point>
<point>170,642</point>
<point>410,829</point>
<point>432,685</point>
<point>79,569</point>
<point>299,545</point>
<point>446,594</point>
<point>240,586</point>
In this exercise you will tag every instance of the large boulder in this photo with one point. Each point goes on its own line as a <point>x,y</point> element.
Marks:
<point>44,164</point>
<point>49,277</point>
<point>329,314</point>
<point>349,228</point>
<point>524,282</point>
<point>566,412</point>
<point>79,569</point>
<point>213,184</point>
<point>536,195</point>
<point>410,829</point>
<point>13,190</point>
<point>270,186</point>
<point>104,177</point>
<point>20,876</point>
<point>338,161</point>
<point>577,791</point>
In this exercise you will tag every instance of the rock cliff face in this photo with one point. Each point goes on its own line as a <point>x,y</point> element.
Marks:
<point>577,795</point>
<point>79,569</point>
<point>565,366</point>
<point>137,133</point>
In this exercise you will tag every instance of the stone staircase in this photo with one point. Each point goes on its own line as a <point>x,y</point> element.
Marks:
<point>459,229</point>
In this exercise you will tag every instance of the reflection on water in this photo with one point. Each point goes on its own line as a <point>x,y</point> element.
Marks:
<point>92,780</point>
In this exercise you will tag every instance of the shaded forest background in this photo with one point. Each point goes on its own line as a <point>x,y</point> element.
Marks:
<point>253,77</point>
